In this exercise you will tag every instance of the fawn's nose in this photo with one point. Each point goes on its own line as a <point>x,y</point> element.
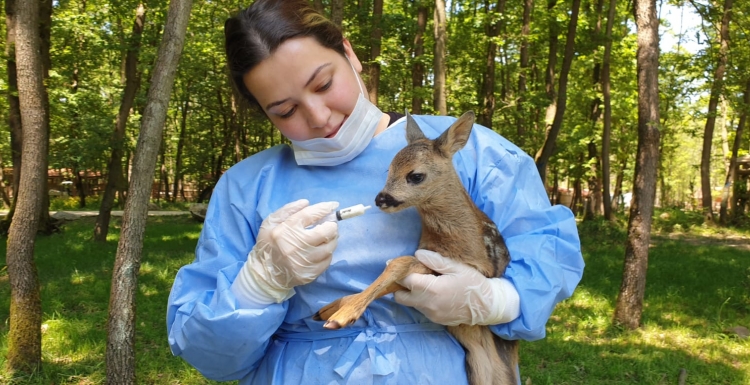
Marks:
<point>386,200</point>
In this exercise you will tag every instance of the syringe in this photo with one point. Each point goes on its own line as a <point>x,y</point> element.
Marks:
<point>340,215</point>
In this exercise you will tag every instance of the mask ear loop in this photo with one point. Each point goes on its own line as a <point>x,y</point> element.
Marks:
<point>356,77</point>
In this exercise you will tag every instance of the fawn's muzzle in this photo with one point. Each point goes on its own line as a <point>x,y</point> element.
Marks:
<point>385,200</point>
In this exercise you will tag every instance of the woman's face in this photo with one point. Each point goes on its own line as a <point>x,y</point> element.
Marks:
<point>307,90</point>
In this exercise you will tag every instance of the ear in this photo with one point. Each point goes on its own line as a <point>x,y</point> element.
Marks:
<point>456,136</point>
<point>349,51</point>
<point>413,132</point>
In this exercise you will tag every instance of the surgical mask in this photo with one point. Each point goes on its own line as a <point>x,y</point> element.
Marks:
<point>353,137</point>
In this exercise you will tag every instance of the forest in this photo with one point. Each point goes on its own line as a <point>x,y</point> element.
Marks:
<point>129,102</point>
<point>517,64</point>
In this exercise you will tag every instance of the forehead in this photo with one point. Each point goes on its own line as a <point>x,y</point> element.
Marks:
<point>288,68</point>
<point>417,152</point>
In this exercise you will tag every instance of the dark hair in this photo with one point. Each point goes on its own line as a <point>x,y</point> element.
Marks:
<point>255,33</point>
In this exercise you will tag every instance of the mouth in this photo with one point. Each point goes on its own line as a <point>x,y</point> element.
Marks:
<point>336,131</point>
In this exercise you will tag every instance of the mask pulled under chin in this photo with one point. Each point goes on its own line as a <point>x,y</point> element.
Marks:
<point>353,137</point>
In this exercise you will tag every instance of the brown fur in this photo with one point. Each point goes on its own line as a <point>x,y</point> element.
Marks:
<point>422,175</point>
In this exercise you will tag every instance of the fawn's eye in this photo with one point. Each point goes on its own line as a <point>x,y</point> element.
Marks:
<point>414,178</point>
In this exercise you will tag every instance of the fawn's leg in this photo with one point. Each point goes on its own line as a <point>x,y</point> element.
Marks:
<point>345,311</point>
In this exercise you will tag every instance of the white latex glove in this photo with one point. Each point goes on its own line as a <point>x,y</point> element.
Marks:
<point>461,295</point>
<point>286,254</point>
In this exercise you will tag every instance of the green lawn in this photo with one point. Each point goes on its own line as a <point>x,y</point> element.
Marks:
<point>698,286</point>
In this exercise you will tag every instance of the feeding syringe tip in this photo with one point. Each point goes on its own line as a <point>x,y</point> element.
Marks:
<point>340,215</point>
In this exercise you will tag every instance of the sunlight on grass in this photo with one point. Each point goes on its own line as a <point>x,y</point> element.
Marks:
<point>696,290</point>
<point>78,278</point>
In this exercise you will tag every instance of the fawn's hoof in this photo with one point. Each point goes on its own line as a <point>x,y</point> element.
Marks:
<point>332,325</point>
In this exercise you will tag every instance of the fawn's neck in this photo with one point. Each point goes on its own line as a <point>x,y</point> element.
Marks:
<point>449,213</point>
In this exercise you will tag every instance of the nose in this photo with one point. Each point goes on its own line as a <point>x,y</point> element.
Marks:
<point>386,200</point>
<point>318,114</point>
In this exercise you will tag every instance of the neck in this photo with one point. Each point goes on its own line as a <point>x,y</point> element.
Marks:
<point>382,125</point>
<point>447,214</point>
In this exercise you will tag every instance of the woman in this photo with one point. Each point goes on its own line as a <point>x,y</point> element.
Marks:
<point>243,309</point>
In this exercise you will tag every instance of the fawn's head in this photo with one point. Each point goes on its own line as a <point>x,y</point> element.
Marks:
<point>419,171</point>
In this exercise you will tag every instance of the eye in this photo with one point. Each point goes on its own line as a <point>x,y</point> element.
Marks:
<point>414,178</point>
<point>326,86</point>
<point>288,113</point>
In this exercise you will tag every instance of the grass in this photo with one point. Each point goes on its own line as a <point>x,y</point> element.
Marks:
<point>698,286</point>
<point>75,274</point>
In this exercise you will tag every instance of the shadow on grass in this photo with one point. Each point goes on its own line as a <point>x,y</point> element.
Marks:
<point>76,273</point>
<point>555,361</point>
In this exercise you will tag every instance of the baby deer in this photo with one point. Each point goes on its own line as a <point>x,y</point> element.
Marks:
<point>422,175</point>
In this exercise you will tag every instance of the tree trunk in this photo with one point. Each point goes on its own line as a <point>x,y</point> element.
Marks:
<point>24,336</point>
<point>337,12</point>
<point>181,143</point>
<point>163,174</point>
<point>618,184</point>
<point>373,67</point>
<point>318,4</point>
<point>607,130</point>
<point>3,194</point>
<point>14,112</point>
<point>121,320</point>
<point>595,192</point>
<point>550,74</point>
<point>528,6</point>
<point>732,177</point>
<point>417,71</point>
<point>629,306</point>
<point>116,180</point>
<point>487,92</point>
<point>708,133</point>
<point>441,41</point>
<point>550,140</point>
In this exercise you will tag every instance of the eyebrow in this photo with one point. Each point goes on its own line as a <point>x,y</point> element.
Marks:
<point>312,77</point>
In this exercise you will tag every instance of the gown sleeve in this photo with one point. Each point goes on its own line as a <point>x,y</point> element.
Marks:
<point>205,324</point>
<point>546,262</point>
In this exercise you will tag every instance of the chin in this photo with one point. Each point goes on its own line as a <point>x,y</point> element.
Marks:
<point>391,209</point>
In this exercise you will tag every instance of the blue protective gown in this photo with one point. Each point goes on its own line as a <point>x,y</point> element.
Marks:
<point>391,343</point>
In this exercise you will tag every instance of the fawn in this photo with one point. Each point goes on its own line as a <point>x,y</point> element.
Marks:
<point>422,175</point>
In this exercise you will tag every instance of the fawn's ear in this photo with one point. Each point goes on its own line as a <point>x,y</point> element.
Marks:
<point>413,132</point>
<point>456,136</point>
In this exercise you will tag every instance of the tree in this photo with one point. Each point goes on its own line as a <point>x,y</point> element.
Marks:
<point>121,320</point>
<point>373,67</point>
<point>544,153</point>
<point>607,130</point>
<point>521,118</point>
<point>14,112</point>
<point>487,90</point>
<point>116,180</point>
<point>716,91</point>
<point>24,337</point>
<point>732,177</point>
<point>439,93</point>
<point>417,72</point>
<point>629,306</point>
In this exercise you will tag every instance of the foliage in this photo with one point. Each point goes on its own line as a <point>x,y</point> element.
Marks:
<point>209,125</point>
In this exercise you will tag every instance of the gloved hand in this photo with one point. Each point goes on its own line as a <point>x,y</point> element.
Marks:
<point>286,254</point>
<point>461,295</point>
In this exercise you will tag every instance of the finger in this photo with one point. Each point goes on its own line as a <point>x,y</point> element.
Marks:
<point>417,282</point>
<point>320,234</point>
<point>437,262</point>
<point>406,298</point>
<point>313,213</point>
<point>287,210</point>
<point>321,253</point>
